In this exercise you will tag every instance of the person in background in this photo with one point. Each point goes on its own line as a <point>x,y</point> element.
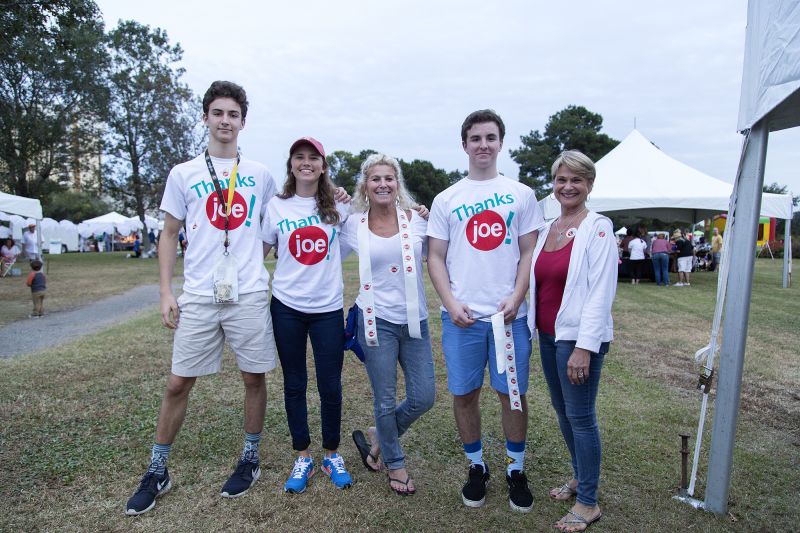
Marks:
<point>30,246</point>
<point>637,247</point>
<point>685,258</point>
<point>641,232</point>
<point>8,255</point>
<point>660,254</point>
<point>38,284</point>
<point>626,253</point>
<point>572,287</point>
<point>716,249</point>
<point>137,246</point>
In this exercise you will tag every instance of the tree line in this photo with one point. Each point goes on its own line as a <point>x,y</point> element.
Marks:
<point>72,92</point>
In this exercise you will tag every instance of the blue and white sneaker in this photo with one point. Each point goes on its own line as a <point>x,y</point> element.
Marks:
<point>244,477</point>
<point>334,467</point>
<point>301,473</point>
<point>151,487</point>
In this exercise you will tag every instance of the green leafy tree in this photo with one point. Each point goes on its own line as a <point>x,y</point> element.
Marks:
<point>74,205</point>
<point>572,128</point>
<point>344,167</point>
<point>52,97</point>
<point>153,116</point>
<point>424,181</point>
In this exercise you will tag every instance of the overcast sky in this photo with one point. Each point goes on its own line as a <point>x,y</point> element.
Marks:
<point>400,76</point>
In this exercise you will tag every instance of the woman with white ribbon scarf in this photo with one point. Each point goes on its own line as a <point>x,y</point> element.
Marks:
<point>392,312</point>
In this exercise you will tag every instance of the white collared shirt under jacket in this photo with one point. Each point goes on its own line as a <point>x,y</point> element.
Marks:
<point>585,312</point>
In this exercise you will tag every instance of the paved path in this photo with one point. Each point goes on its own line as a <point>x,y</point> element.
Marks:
<point>36,334</point>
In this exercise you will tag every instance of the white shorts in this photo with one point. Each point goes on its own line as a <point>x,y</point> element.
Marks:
<point>685,264</point>
<point>204,327</point>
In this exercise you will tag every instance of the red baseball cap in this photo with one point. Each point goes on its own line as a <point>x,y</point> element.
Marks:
<point>308,140</point>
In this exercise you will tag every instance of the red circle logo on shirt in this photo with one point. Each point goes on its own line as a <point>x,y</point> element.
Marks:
<point>486,230</point>
<point>216,211</point>
<point>308,245</point>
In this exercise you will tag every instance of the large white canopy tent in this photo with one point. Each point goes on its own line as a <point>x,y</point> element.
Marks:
<point>770,101</point>
<point>638,180</point>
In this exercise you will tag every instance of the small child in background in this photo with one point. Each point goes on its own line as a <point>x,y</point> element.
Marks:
<point>37,282</point>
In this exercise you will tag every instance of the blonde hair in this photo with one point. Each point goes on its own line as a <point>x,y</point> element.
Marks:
<point>360,200</point>
<point>577,162</point>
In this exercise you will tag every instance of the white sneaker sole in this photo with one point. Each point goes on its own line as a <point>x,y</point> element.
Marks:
<point>472,503</point>
<point>519,509</point>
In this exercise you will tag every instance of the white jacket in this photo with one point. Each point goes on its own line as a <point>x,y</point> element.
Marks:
<point>585,312</point>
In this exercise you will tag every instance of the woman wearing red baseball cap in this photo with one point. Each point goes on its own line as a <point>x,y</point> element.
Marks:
<point>304,222</point>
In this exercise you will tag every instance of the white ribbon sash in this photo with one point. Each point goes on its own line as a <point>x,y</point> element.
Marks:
<point>506,361</point>
<point>409,277</point>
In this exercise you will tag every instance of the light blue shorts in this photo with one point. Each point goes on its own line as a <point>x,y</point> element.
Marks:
<point>466,351</point>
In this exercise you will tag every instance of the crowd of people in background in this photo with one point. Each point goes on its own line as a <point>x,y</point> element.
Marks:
<point>681,252</point>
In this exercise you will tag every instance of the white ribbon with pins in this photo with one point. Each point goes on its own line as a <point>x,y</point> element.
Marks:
<point>409,277</point>
<point>505,357</point>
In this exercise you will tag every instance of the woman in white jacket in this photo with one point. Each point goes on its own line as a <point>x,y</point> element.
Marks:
<point>573,282</point>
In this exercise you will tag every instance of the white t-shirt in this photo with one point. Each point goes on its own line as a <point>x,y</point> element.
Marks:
<point>637,247</point>
<point>190,196</point>
<point>9,253</point>
<point>483,248</point>
<point>386,259</point>
<point>308,274</point>
<point>29,240</point>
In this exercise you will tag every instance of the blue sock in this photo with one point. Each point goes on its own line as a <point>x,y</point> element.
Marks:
<point>250,450</point>
<point>474,452</point>
<point>516,456</point>
<point>158,458</point>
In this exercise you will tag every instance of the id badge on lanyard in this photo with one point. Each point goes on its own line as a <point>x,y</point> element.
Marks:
<point>225,277</point>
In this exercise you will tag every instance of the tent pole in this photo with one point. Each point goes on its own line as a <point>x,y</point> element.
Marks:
<point>737,310</point>
<point>787,253</point>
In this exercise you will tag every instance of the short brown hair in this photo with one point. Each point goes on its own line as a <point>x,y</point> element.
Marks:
<point>225,89</point>
<point>480,116</point>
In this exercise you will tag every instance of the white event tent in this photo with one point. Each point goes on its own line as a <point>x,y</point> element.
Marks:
<point>16,208</point>
<point>109,223</point>
<point>637,180</point>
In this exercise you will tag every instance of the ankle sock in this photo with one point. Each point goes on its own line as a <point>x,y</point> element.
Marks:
<point>250,450</point>
<point>516,456</point>
<point>474,452</point>
<point>158,458</point>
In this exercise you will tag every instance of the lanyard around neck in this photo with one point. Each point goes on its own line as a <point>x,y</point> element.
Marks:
<point>231,189</point>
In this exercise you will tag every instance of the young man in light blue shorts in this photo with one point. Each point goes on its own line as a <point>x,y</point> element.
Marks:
<point>481,235</point>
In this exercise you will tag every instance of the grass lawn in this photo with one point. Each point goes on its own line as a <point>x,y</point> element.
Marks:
<point>77,422</point>
<point>76,279</point>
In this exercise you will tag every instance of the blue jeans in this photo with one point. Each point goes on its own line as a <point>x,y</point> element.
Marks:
<point>661,268</point>
<point>416,360</point>
<point>292,329</point>
<point>575,408</point>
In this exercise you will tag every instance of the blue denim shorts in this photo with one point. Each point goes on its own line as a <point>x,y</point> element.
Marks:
<point>467,350</point>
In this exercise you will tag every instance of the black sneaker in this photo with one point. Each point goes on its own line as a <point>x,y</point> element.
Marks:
<point>245,475</point>
<point>473,494</point>
<point>151,487</point>
<point>519,497</point>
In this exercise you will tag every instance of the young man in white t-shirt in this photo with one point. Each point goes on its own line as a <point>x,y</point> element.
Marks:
<point>482,232</point>
<point>221,200</point>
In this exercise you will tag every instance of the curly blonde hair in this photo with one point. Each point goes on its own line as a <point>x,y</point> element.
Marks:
<point>360,200</point>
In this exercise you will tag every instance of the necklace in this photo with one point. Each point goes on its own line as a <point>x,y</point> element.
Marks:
<point>569,232</point>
